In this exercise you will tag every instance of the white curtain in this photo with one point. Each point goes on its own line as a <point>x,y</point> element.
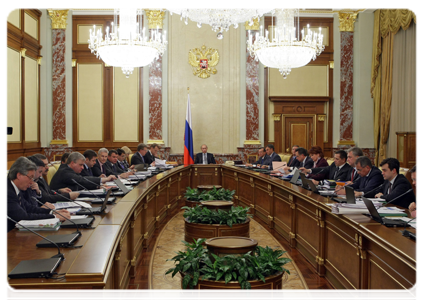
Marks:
<point>403,105</point>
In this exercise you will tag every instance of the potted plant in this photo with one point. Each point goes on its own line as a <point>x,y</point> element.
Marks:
<point>261,268</point>
<point>203,222</point>
<point>194,196</point>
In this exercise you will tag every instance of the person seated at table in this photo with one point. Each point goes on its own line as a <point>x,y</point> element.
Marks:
<point>152,154</point>
<point>112,168</point>
<point>370,178</point>
<point>352,154</point>
<point>302,160</point>
<point>122,163</point>
<point>338,170</point>
<point>90,160</point>
<point>292,162</point>
<point>99,168</point>
<point>261,155</point>
<point>316,154</point>
<point>66,176</point>
<point>19,179</point>
<point>394,186</point>
<point>204,157</point>
<point>414,207</point>
<point>45,188</point>
<point>139,156</point>
<point>64,158</point>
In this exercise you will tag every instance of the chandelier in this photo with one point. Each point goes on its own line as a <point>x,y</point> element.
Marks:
<point>284,49</point>
<point>125,45</point>
<point>219,19</point>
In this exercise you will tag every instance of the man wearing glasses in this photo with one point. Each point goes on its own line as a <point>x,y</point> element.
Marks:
<point>20,178</point>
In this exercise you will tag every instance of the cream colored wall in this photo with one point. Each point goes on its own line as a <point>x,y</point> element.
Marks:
<point>90,102</point>
<point>31,26</point>
<point>31,100</point>
<point>14,18</point>
<point>14,94</point>
<point>215,101</point>
<point>125,106</point>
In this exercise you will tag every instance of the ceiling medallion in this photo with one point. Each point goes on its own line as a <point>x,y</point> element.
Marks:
<point>203,61</point>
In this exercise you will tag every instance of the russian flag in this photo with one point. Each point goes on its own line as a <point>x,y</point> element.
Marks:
<point>188,140</point>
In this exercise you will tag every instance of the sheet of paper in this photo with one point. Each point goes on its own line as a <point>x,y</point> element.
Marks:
<point>277,165</point>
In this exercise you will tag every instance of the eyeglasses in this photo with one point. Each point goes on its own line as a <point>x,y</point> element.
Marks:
<point>31,178</point>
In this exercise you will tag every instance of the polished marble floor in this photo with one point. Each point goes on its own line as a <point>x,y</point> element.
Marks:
<point>169,241</point>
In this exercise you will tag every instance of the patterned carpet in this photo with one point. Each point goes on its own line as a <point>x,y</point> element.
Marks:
<point>169,241</point>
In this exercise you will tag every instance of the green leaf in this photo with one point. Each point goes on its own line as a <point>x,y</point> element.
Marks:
<point>228,277</point>
<point>185,281</point>
<point>219,275</point>
<point>195,278</point>
<point>186,267</point>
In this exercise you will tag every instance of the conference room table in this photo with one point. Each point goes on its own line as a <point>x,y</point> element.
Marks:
<point>350,251</point>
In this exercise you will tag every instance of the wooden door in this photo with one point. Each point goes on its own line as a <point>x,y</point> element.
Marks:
<point>298,130</point>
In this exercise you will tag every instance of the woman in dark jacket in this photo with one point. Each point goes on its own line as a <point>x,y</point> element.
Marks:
<point>316,154</point>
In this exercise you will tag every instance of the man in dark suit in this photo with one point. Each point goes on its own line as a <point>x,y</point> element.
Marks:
<point>99,169</point>
<point>395,185</point>
<point>204,157</point>
<point>112,168</point>
<point>139,157</point>
<point>20,178</point>
<point>352,155</point>
<point>121,163</point>
<point>66,176</point>
<point>45,188</point>
<point>293,159</point>
<point>270,157</point>
<point>90,160</point>
<point>152,154</point>
<point>370,177</point>
<point>261,155</point>
<point>338,170</point>
<point>302,160</point>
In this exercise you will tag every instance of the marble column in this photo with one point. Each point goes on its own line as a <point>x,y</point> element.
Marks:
<point>252,142</point>
<point>58,25</point>
<point>346,27</point>
<point>155,134</point>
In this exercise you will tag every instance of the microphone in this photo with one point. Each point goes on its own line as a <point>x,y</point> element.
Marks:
<point>57,212</point>
<point>371,190</point>
<point>83,187</point>
<point>396,198</point>
<point>58,255</point>
<point>407,233</point>
<point>97,186</point>
<point>68,199</point>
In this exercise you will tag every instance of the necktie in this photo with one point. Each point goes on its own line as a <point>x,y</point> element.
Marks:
<point>114,168</point>
<point>91,172</point>
<point>336,172</point>
<point>204,159</point>
<point>102,170</point>
<point>122,165</point>
<point>142,158</point>
<point>390,188</point>
<point>352,174</point>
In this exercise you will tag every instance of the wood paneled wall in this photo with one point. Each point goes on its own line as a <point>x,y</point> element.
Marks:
<point>95,123</point>
<point>23,37</point>
<point>282,108</point>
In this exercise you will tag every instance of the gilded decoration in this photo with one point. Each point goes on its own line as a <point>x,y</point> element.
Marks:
<point>58,18</point>
<point>155,18</point>
<point>203,61</point>
<point>254,26</point>
<point>346,21</point>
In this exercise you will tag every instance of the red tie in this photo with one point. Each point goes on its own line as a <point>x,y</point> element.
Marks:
<point>352,175</point>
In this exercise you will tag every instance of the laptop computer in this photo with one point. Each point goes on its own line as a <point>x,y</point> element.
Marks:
<point>95,210</point>
<point>121,186</point>
<point>36,268</point>
<point>141,167</point>
<point>304,183</point>
<point>294,178</point>
<point>349,196</point>
<point>82,223</point>
<point>376,216</point>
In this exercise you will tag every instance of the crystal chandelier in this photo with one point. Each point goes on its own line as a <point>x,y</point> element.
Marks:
<point>284,49</point>
<point>126,45</point>
<point>220,19</point>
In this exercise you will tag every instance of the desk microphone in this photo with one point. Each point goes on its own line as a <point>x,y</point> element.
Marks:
<point>58,255</point>
<point>68,199</point>
<point>57,212</point>
<point>364,195</point>
<point>83,187</point>
<point>96,185</point>
<point>407,233</point>
<point>395,198</point>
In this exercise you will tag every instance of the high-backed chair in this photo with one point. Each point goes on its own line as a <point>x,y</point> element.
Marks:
<point>51,171</point>
<point>56,166</point>
<point>129,158</point>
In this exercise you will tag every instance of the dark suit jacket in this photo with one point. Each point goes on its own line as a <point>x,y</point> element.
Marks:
<point>63,178</point>
<point>321,163</point>
<point>137,159</point>
<point>400,186</point>
<point>122,166</point>
<point>268,160</point>
<point>329,172</point>
<point>356,176</point>
<point>47,195</point>
<point>87,171</point>
<point>292,160</point>
<point>149,158</point>
<point>368,183</point>
<point>199,158</point>
<point>112,169</point>
<point>19,209</point>
<point>308,163</point>
<point>260,160</point>
<point>96,169</point>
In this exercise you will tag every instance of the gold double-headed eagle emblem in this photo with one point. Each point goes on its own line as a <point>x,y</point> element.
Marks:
<point>203,61</point>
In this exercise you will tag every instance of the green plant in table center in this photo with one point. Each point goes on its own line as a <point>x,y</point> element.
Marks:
<point>203,215</point>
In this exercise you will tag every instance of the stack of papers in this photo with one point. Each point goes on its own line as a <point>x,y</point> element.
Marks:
<point>42,224</point>
<point>95,192</point>
<point>162,164</point>
<point>137,177</point>
<point>64,205</point>
<point>147,173</point>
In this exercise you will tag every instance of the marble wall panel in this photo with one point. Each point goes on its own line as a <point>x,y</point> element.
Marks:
<point>155,101</point>
<point>252,96</point>
<point>59,86</point>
